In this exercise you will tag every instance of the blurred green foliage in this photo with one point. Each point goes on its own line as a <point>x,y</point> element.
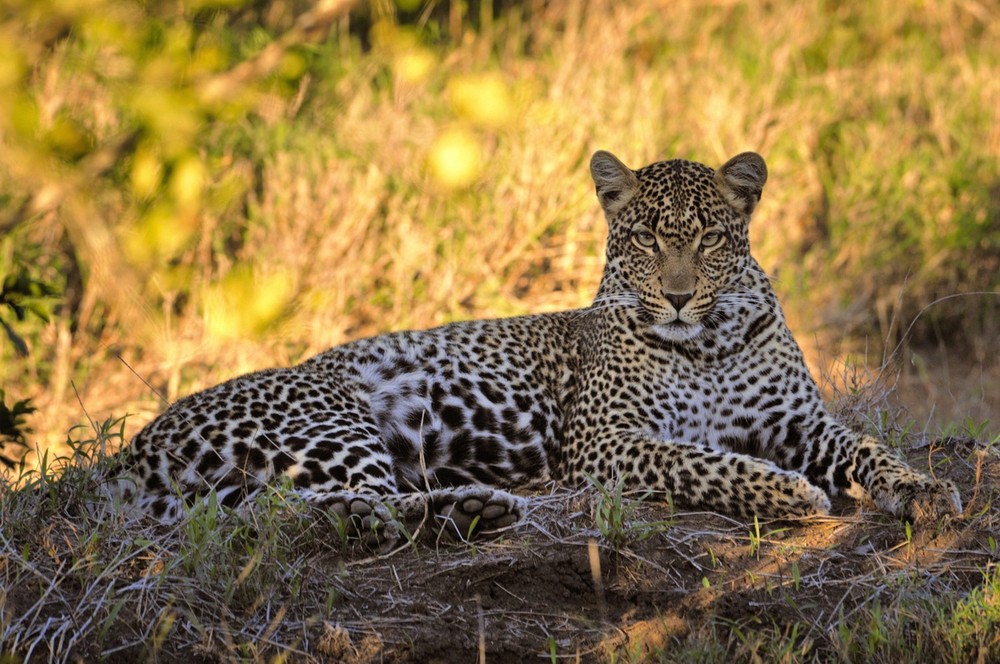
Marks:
<point>13,430</point>
<point>124,127</point>
<point>22,294</point>
<point>118,120</point>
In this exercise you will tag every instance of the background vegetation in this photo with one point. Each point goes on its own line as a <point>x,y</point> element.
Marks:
<point>214,186</point>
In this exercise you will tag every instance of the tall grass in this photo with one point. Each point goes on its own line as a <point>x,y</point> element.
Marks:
<point>418,178</point>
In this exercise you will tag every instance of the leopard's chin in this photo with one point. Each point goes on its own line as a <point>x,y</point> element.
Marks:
<point>677,330</point>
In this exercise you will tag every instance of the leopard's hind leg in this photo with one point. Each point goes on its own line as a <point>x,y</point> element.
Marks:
<point>241,436</point>
<point>237,438</point>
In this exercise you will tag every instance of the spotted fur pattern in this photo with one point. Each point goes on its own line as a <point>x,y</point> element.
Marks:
<point>681,379</point>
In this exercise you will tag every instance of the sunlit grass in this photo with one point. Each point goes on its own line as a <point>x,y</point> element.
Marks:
<point>272,579</point>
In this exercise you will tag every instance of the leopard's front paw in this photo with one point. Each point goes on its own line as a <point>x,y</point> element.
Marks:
<point>920,499</point>
<point>476,511</point>
<point>364,519</point>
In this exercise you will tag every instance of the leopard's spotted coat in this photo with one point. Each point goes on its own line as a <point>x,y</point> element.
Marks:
<point>681,377</point>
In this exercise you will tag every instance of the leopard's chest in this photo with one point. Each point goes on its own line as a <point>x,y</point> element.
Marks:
<point>724,405</point>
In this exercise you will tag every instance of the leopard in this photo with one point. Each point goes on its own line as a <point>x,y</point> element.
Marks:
<point>681,380</point>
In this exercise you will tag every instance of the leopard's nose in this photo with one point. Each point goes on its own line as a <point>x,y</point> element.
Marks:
<point>679,299</point>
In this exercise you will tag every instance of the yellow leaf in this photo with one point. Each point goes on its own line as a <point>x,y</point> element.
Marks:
<point>245,304</point>
<point>68,138</point>
<point>160,235</point>
<point>413,65</point>
<point>293,66</point>
<point>12,66</point>
<point>187,182</point>
<point>146,174</point>
<point>455,158</point>
<point>482,99</point>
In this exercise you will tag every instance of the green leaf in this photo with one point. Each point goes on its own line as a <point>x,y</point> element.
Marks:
<point>15,338</point>
<point>12,425</point>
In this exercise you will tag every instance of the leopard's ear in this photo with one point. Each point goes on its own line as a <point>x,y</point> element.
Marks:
<point>741,181</point>
<point>616,183</point>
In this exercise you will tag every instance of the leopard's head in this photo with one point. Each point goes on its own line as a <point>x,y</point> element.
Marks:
<point>677,236</point>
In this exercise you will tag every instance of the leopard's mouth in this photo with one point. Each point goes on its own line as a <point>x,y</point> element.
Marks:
<point>677,330</point>
<point>667,324</point>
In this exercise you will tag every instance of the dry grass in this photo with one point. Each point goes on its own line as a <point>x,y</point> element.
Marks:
<point>278,583</point>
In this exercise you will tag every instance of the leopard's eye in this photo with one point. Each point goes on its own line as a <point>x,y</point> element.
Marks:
<point>712,239</point>
<point>644,239</point>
